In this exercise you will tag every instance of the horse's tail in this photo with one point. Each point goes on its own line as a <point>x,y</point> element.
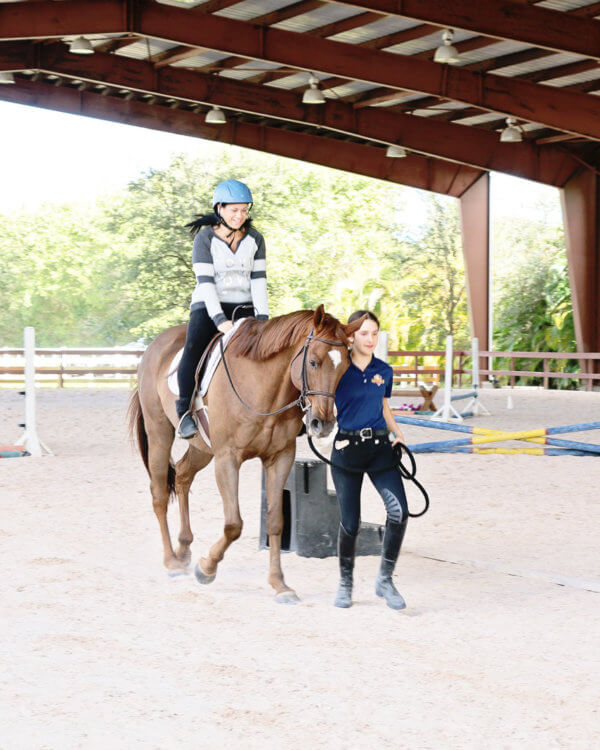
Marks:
<point>138,434</point>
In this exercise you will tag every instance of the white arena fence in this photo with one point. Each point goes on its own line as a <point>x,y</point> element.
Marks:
<point>64,367</point>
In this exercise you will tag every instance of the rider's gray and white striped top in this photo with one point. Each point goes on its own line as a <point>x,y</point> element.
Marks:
<point>225,276</point>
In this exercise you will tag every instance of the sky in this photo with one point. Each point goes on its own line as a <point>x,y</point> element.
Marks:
<point>49,156</point>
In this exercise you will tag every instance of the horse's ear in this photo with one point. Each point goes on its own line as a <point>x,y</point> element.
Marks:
<point>318,317</point>
<point>354,326</point>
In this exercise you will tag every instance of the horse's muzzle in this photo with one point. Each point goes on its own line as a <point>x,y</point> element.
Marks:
<point>317,427</point>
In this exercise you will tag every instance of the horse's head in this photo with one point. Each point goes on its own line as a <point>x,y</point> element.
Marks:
<point>325,361</point>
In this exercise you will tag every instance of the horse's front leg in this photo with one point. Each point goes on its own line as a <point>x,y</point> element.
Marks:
<point>227,468</point>
<point>277,471</point>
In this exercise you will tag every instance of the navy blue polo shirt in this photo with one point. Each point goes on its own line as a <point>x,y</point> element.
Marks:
<point>359,396</point>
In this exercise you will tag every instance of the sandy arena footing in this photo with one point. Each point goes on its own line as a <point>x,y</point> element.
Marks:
<point>498,647</point>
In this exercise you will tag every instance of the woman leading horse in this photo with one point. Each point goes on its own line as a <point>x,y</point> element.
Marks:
<point>278,369</point>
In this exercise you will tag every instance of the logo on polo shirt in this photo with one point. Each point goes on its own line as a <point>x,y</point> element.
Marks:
<point>377,379</point>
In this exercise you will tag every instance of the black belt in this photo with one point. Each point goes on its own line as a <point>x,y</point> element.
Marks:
<point>367,433</point>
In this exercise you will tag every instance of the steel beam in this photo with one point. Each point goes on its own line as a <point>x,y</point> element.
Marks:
<point>581,214</point>
<point>564,110</point>
<point>476,147</point>
<point>414,171</point>
<point>568,111</point>
<point>52,20</point>
<point>514,21</point>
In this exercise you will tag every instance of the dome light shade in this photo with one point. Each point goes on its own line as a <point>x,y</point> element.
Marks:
<point>6,78</point>
<point>313,94</point>
<point>81,46</point>
<point>447,52</point>
<point>395,152</point>
<point>512,133</point>
<point>215,116</point>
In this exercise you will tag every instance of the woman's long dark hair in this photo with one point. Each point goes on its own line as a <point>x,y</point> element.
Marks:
<point>211,220</point>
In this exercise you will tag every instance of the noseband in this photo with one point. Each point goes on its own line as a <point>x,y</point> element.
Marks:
<point>302,401</point>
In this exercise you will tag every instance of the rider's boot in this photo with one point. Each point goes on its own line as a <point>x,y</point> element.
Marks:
<point>346,552</point>
<point>384,586</point>
<point>187,427</point>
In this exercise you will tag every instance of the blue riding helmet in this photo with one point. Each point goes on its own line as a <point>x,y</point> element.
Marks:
<point>232,191</point>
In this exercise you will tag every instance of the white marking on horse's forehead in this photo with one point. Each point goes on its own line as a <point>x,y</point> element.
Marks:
<point>335,356</point>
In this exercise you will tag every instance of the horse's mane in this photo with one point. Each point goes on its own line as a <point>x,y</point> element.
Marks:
<point>261,340</point>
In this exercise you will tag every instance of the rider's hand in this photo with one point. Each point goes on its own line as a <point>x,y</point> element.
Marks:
<point>225,326</point>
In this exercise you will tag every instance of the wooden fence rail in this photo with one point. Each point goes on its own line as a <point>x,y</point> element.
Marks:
<point>420,374</point>
<point>419,371</point>
<point>97,365</point>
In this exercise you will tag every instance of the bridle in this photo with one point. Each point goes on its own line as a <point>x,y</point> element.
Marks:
<point>302,401</point>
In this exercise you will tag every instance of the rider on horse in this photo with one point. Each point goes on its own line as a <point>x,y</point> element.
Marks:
<point>230,265</point>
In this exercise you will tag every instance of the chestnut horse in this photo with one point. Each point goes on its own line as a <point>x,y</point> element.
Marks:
<point>293,361</point>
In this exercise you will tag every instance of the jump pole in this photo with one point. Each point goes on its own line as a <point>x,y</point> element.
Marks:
<point>447,412</point>
<point>484,435</point>
<point>29,440</point>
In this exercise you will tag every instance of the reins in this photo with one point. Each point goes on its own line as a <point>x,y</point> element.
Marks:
<point>302,401</point>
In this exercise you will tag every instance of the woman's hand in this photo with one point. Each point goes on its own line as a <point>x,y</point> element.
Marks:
<point>225,326</point>
<point>398,438</point>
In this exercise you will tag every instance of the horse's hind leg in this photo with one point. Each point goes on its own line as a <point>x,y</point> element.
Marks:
<point>186,469</point>
<point>227,470</point>
<point>160,439</point>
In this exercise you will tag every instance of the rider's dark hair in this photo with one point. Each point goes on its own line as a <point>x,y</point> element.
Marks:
<point>359,313</point>
<point>211,220</point>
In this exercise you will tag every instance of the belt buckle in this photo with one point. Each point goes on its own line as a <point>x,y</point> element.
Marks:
<point>366,433</point>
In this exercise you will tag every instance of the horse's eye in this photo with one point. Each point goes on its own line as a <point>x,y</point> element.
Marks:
<point>313,363</point>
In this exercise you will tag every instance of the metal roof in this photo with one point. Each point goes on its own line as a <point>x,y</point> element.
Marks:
<point>535,62</point>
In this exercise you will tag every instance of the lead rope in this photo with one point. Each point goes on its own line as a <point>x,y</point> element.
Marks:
<point>404,472</point>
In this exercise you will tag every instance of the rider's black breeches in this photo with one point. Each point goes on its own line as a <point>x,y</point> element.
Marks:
<point>200,332</point>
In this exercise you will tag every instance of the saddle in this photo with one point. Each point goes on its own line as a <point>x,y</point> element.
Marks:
<point>198,406</point>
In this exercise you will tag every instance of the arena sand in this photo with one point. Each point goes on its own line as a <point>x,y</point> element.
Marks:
<point>498,647</point>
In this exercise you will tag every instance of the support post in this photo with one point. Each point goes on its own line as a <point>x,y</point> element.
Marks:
<point>475,228</point>
<point>580,199</point>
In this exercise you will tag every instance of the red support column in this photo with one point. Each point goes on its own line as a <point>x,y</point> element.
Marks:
<point>475,224</point>
<point>580,200</point>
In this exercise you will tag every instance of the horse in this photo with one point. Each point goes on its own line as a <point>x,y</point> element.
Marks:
<point>274,371</point>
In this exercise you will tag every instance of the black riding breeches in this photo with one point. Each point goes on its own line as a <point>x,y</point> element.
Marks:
<point>368,456</point>
<point>200,332</point>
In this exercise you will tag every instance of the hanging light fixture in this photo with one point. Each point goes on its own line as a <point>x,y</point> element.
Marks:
<point>313,94</point>
<point>512,133</point>
<point>395,152</point>
<point>447,52</point>
<point>81,46</point>
<point>7,78</point>
<point>215,116</point>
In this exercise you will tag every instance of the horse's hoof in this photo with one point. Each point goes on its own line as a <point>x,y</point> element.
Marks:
<point>177,572</point>
<point>287,597</point>
<point>201,576</point>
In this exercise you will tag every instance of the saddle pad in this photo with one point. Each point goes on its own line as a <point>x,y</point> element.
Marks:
<point>210,368</point>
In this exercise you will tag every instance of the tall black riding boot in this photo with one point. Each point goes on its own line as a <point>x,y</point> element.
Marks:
<point>187,427</point>
<point>384,586</point>
<point>346,552</point>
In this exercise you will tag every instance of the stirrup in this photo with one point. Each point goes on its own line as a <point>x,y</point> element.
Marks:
<point>188,434</point>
